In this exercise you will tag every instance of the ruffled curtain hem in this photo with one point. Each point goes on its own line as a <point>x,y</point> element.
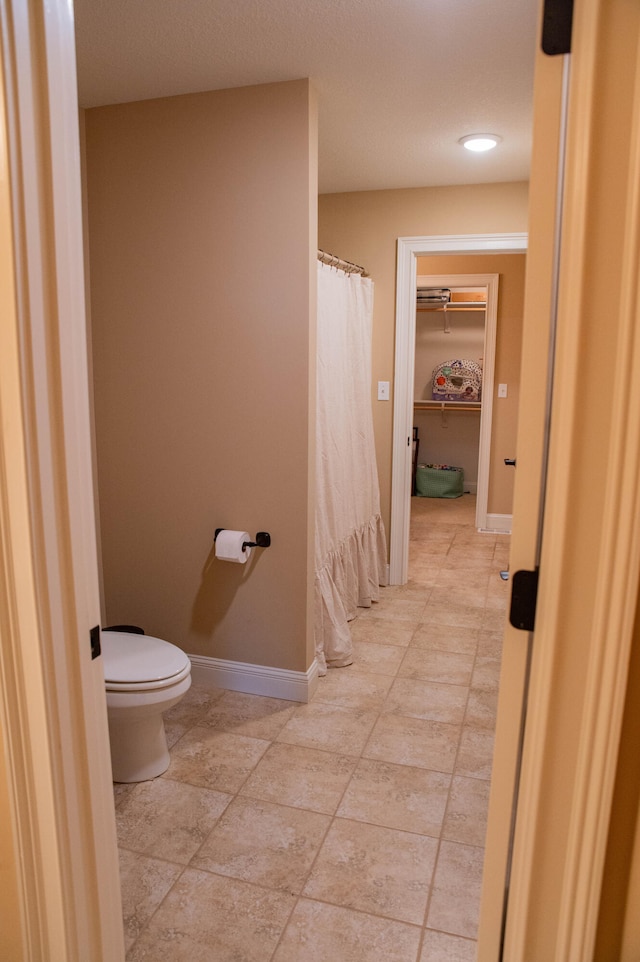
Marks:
<point>350,578</point>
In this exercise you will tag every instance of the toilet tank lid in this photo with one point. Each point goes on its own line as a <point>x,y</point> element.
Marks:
<point>131,658</point>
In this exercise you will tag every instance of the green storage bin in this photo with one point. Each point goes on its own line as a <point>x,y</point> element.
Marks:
<point>439,481</point>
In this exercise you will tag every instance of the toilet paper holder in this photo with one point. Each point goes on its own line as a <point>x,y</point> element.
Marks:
<point>263,539</point>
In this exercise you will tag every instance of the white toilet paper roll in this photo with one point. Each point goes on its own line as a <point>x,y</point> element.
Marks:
<point>229,546</point>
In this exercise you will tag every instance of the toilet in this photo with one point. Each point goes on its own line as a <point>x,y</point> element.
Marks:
<point>144,677</point>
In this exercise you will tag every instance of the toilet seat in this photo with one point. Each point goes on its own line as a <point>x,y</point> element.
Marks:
<point>134,662</point>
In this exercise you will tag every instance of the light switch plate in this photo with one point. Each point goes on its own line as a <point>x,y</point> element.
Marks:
<point>502,390</point>
<point>383,390</point>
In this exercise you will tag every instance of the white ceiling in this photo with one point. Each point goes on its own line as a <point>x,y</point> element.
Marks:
<point>398,81</point>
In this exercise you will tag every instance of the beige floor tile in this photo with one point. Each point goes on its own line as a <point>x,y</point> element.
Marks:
<point>427,554</point>
<point>427,699</point>
<point>301,777</point>
<point>494,619</point>
<point>450,511</point>
<point>490,642</point>
<point>174,731</point>
<point>454,577</point>
<point>386,776</point>
<point>455,902</point>
<point>270,845</point>
<point>211,759</point>
<point>144,883</point>
<point>410,592</point>
<point>353,687</point>
<point>456,559</point>
<point>462,594</point>
<point>252,715</point>
<point>396,796</point>
<point>382,632</point>
<point>330,727</point>
<point>319,932</point>
<point>501,552</point>
<point>383,659</point>
<point>414,741</point>
<point>466,818</point>
<point>207,917</point>
<point>454,615</point>
<point>498,602</point>
<point>429,534</point>
<point>397,609</point>
<point>475,755</point>
<point>498,594</point>
<point>446,638</point>
<point>469,534</point>
<point>486,673</point>
<point>433,541</point>
<point>374,869</point>
<point>440,947</point>
<point>482,709</point>
<point>193,706</point>
<point>461,552</point>
<point>424,574</point>
<point>167,819</point>
<point>429,545</point>
<point>121,790</point>
<point>448,667</point>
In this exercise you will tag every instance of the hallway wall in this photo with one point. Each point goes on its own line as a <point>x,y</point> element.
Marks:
<point>364,226</point>
<point>202,235</point>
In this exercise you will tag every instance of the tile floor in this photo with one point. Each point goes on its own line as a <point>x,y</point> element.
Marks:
<point>351,828</point>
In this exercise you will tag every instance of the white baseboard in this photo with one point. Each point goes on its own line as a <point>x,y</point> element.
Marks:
<point>470,487</point>
<point>254,679</point>
<point>499,522</point>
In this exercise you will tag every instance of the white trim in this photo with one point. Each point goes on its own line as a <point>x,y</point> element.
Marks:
<point>254,679</point>
<point>52,693</point>
<point>499,522</point>
<point>409,249</point>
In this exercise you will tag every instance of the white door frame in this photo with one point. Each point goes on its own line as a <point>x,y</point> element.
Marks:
<point>57,799</point>
<point>409,249</point>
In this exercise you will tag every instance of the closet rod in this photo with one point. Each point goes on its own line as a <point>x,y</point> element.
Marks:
<point>345,266</point>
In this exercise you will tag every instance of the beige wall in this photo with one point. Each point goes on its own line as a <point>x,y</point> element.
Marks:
<point>202,229</point>
<point>364,227</point>
<point>511,268</point>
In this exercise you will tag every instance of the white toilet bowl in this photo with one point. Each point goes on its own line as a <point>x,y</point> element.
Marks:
<point>144,677</point>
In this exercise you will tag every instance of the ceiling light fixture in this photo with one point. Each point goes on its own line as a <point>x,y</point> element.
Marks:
<point>480,142</point>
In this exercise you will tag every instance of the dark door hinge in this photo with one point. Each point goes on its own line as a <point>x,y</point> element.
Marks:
<point>557,20</point>
<point>524,595</point>
<point>94,636</point>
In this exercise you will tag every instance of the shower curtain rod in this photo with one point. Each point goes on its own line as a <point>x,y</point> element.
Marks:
<point>345,266</point>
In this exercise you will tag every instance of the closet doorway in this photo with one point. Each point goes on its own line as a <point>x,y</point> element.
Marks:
<point>456,320</point>
<point>410,250</point>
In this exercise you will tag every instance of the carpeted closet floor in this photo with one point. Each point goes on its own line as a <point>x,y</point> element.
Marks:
<point>351,828</point>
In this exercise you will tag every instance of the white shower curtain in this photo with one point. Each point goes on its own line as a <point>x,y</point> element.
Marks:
<point>351,552</point>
